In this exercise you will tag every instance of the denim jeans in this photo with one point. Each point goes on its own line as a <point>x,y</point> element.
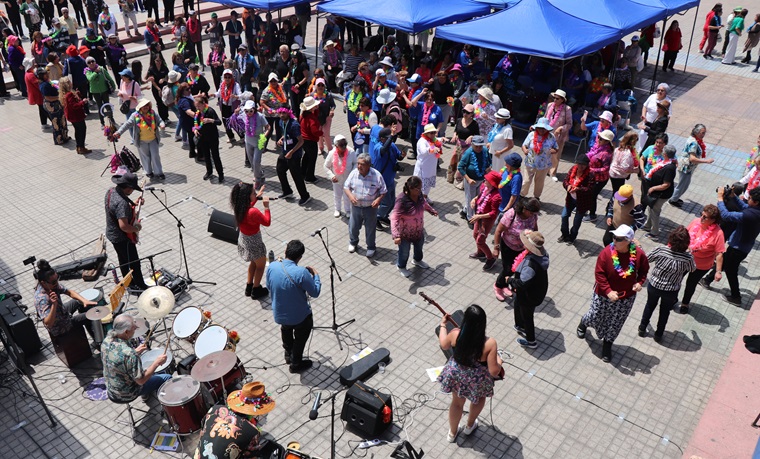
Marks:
<point>684,180</point>
<point>570,233</point>
<point>253,154</point>
<point>366,216</point>
<point>403,251</point>
<point>389,200</point>
<point>666,299</point>
<point>154,383</point>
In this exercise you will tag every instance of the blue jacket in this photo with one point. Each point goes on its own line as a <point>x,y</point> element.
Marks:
<point>384,159</point>
<point>473,167</point>
<point>74,67</point>
<point>290,304</point>
<point>748,225</point>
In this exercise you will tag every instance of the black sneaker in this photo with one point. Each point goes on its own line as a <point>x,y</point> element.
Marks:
<point>285,195</point>
<point>161,177</point>
<point>489,264</point>
<point>287,357</point>
<point>380,226</point>
<point>737,300</point>
<point>207,176</point>
<point>259,292</point>
<point>657,338</point>
<point>303,366</point>
<point>642,332</point>
<point>304,201</point>
<point>520,331</point>
<point>704,283</point>
<point>221,179</point>
<point>678,203</point>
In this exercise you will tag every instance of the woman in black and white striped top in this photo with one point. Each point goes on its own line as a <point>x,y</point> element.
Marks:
<point>671,263</point>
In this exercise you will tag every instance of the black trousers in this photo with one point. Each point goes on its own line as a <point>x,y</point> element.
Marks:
<point>163,110</point>
<point>294,166</point>
<point>168,11</point>
<point>669,60</point>
<point>80,133</point>
<point>617,183</point>
<point>731,261</point>
<point>15,18</point>
<point>691,284</point>
<point>524,318</point>
<point>607,238</point>
<point>227,112</point>
<point>507,258</point>
<point>666,299</point>
<point>48,11</point>
<point>309,160</point>
<point>18,78</point>
<point>192,142</point>
<point>598,187</point>
<point>209,149</point>
<point>128,259</point>
<point>43,115</point>
<point>186,6</point>
<point>199,52</point>
<point>78,318</point>
<point>294,338</point>
<point>274,123</point>
<point>152,7</point>
<point>79,15</point>
<point>100,99</point>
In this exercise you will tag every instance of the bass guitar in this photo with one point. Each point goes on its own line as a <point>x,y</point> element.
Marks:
<point>135,237</point>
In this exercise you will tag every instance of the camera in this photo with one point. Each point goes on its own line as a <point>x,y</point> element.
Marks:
<point>726,189</point>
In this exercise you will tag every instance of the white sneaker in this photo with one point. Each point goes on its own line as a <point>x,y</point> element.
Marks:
<point>351,248</point>
<point>370,253</point>
<point>555,179</point>
<point>420,264</point>
<point>404,272</point>
<point>468,430</point>
<point>336,214</point>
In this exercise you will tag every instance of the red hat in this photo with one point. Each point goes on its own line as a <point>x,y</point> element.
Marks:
<point>84,50</point>
<point>72,51</point>
<point>493,178</point>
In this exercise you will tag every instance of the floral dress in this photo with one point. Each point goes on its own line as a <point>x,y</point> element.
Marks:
<point>485,116</point>
<point>541,160</point>
<point>472,383</point>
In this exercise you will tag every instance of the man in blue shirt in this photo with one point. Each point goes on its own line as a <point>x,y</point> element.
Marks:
<point>741,241</point>
<point>290,286</point>
<point>385,154</point>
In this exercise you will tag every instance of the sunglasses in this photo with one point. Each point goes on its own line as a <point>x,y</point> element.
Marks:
<point>619,239</point>
<point>467,113</point>
<point>227,76</point>
<point>660,90</point>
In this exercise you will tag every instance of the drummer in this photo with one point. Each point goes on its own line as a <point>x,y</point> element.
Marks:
<point>122,367</point>
<point>58,317</point>
<point>233,429</point>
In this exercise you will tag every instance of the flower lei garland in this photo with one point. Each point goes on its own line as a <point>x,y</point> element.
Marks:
<point>105,19</point>
<point>631,260</point>
<point>574,180</point>
<point>193,81</point>
<point>508,178</point>
<point>519,259</point>
<point>278,93</point>
<point>699,237</point>
<point>450,101</point>
<point>426,113</point>
<point>702,147</point>
<point>751,157</point>
<point>339,164</point>
<point>478,110</point>
<point>226,91</point>
<point>362,120</point>
<point>198,121</point>
<point>250,126</point>
<point>146,121</point>
<point>538,145</point>
<point>659,166</point>
<point>436,148</point>
<point>353,101</point>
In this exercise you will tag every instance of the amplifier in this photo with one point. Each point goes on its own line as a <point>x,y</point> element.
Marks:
<point>20,327</point>
<point>367,411</point>
<point>223,226</point>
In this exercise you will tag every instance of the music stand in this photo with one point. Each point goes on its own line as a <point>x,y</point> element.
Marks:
<point>333,271</point>
<point>189,279</point>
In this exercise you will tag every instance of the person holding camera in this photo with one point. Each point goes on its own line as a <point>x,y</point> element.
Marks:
<point>740,242</point>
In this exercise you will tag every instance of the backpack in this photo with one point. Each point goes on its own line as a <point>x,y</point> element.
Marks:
<point>129,160</point>
<point>167,96</point>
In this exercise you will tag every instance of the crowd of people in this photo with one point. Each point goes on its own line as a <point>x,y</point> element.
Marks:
<point>269,96</point>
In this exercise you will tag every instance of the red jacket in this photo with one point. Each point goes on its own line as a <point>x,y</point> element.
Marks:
<point>672,40</point>
<point>194,30</point>
<point>310,127</point>
<point>33,89</point>
<point>74,109</point>
<point>608,279</point>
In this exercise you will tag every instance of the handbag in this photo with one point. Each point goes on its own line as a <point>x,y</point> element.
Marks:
<point>125,106</point>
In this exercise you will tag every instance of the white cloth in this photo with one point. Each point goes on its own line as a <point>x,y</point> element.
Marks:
<point>651,114</point>
<point>499,142</point>
<point>425,167</point>
<point>733,42</point>
<point>350,165</point>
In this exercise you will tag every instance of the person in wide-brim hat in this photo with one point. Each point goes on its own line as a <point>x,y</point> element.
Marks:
<point>309,103</point>
<point>127,180</point>
<point>534,242</point>
<point>386,96</point>
<point>251,400</point>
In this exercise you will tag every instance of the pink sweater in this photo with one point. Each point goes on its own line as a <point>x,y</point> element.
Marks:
<point>408,218</point>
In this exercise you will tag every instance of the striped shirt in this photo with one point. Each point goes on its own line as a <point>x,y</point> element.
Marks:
<point>351,64</point>
<point>669,268</point>
<point>366,188</point>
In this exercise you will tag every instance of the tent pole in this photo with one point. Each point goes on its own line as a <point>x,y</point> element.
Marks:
<point>316,46</point>
<point>657,62</point>
<point>614,62</point>
<point>561,74</point>
<point>691,39</point>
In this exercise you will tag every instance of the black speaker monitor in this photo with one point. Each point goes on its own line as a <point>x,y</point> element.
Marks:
<point>223,226</point>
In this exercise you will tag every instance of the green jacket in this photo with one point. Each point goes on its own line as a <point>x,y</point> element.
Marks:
<point>27,18</point>
<point>100,80</point>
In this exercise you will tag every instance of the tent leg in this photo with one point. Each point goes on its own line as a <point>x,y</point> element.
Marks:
<point>316,45</point>
<point>614,63</point>
<point>691,39</point>
<point>657,62</point>
<point>561,75</point>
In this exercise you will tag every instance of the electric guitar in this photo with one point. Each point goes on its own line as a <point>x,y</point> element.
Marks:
<point>135,237</point>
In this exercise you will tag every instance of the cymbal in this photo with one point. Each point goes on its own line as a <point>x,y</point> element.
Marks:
<point>97,313</point>
<point>155,302</point>
<point>142,326</point>
<point>213,366</point>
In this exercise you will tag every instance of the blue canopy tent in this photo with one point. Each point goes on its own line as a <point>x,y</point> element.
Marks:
<point>410,16</point>
<point>531,27</point>
<point>623,15</point>
<point>269,5</point>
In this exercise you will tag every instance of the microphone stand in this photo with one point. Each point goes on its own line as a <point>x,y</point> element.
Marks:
<point>331,398</point>
<point>189,279</point>
<point>333,271</point>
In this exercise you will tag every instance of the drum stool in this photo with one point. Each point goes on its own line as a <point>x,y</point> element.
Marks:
<point>132,423</point>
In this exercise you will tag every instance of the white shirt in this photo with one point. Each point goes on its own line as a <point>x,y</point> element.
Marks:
<point>110,26</point>
<point>425,167</point>
<point>350,160</point>
<point>651,107</point>
<point>499,142</point>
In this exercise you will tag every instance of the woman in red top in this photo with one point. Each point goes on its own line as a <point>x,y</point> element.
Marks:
<point>672,46</point>
<point>621,270</point>
<point>486,206</point>
<point>73,109</point>
<point>33,90</point>
<point>311,131</point>
<point>251,248</point>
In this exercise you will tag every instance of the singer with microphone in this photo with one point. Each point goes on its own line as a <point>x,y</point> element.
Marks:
<point>291,286</point>
<point>57,316</point>
<point>251,247</point>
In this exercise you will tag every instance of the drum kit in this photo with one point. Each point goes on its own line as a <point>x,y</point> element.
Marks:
<point>214,369</point>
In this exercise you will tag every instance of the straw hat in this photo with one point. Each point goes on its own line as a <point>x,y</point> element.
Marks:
<point>429,128</point>
<point>607,135</point>
<point>142,103</point>
<point>309,103</point>
<point>534,242</point>
<point>486,93</point>
<point>174,76</point>
<point>329,43</point>
<point>252,400</point>
<point>560,93</point>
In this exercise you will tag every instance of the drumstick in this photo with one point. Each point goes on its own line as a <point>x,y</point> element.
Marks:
<point>168,340</point>
<point>446,315</point>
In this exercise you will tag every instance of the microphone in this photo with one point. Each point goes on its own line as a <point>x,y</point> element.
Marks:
<point>315,408</point>
<point>319,231</point>
<point>152,188</point>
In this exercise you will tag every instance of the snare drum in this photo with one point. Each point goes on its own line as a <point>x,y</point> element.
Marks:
<point>148,357</point>
<point>95,295</point>
<point>188,323</point>
<point>183,403</point>
<point>213,338</point>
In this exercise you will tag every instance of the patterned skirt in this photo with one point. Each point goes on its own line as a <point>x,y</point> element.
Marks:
<point>54,110</point>
<point>607,317</point>
<point>427,184</point>
<point>472,383</point>
<point>251,248</point>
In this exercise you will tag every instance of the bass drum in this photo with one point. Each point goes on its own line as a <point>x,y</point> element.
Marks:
<point>183,403</point>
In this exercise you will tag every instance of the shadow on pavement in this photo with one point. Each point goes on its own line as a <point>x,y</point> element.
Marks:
<point>709,316</point>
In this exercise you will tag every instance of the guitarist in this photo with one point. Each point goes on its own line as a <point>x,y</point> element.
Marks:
<point>123,225</point>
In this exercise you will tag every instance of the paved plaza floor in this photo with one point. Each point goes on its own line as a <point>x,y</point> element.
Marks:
<point>559,400</point>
